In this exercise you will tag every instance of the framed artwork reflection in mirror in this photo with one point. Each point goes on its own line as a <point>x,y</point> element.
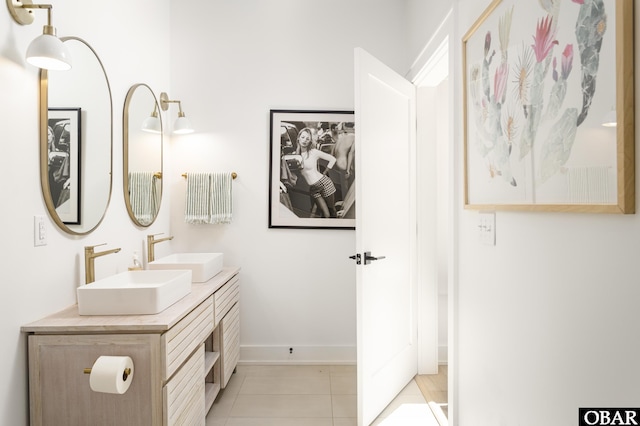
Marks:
<point>63,151</point>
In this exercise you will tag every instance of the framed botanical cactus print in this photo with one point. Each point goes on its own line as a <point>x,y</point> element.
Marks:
<point>540,79</point>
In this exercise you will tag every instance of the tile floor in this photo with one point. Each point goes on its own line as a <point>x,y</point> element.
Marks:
<point>307,396</point>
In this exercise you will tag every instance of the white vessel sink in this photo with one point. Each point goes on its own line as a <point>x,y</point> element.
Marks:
<point>134,293</point>
<point>203,266</point>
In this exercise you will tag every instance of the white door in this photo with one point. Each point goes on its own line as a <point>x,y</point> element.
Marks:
<point>386,288</point>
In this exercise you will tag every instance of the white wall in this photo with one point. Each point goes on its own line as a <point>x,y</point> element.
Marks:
<point>231,63</point>
<point>547,319</point>
<point>426,25</point>
<point>433,139</point>
<point>37,281</point>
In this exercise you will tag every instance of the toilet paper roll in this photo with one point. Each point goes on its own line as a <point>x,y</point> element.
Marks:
<point>108,374</point>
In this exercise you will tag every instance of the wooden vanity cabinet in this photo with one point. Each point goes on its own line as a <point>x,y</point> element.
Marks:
<point>182,357</point>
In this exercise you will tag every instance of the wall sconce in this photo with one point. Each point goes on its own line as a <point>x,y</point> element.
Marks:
<point>610,119</point>
<point>151,124</point>
<point>181,126</point>
<point>46,51</point>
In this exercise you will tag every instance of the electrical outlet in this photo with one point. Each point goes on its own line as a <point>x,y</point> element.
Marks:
<point>487,228</point>
<point>39,231</point>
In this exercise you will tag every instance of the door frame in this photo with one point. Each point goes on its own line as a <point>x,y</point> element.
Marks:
<point>435,61</point>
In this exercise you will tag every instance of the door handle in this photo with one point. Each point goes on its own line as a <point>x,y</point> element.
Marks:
<point>357,257</point>
<point>368,258</point>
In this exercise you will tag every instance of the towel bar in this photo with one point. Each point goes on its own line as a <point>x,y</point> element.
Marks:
<point>233,175</point>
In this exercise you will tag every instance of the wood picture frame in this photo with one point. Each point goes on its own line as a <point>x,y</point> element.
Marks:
<point>538,79</point>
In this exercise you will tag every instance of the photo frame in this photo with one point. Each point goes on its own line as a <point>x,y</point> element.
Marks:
<point>312,169</point>
<point>64,165</point>
<point>539,80</point>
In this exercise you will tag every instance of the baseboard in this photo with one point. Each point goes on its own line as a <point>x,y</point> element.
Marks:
<point>300,355</point>
<point>443,354</point>
<point>309,355</point>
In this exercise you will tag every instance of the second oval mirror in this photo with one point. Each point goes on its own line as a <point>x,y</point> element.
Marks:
<point>142,154</point>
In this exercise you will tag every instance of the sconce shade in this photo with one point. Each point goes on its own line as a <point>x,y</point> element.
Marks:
<point>182,126</point>
<point>49,52</point>
<point>46,51</point>
<point>610,120</point>
<point>151,124</point>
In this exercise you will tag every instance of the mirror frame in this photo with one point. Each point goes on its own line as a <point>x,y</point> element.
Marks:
<point>44,155</point>
<point>125,153</point>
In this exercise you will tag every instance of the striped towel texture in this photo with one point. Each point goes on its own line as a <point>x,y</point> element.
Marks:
<point>208,198</point>
<point>143,196</point>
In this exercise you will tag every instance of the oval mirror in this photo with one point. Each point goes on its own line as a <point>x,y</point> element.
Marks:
<point>76,140</point>
<point>142,154</point>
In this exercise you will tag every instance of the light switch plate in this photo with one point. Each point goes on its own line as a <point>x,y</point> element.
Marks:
<point>487,228</point>
<point>39,231</point>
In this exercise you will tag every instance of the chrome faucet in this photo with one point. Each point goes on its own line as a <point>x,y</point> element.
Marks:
<point>89,257</point>
<point>151,242</point>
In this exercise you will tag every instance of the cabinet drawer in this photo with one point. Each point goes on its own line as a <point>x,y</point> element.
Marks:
<point>181,340</point>
<point>230,343</point>
<point>226,297</point>
<point>183,395</point>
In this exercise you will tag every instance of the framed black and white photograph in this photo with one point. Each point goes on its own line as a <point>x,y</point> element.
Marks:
<point>311,169</point>
<point>63,149</point>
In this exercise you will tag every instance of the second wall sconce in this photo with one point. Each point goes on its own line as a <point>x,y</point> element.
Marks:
<point>46,51</point>
<point>151,124</point>
<point>181,126</point>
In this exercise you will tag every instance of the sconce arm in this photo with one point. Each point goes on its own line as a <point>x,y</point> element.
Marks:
<point>165,101</point>
<point>21,11</point>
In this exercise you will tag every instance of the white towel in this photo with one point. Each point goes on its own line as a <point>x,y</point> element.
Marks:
<point>208,198</point>
<point>143,196</point>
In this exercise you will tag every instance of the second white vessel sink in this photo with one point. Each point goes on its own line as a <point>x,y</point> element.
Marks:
<point>203,266</point>
<point>134,292</point>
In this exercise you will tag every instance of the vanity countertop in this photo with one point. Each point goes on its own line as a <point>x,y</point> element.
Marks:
<point>68,321</point>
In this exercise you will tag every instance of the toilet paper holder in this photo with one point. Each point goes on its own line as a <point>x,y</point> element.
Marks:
<point>125,374</point>
<point>111,374</point>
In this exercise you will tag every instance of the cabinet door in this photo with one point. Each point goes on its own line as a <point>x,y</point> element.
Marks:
<point>230,343</point>
<point>59,389</point>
